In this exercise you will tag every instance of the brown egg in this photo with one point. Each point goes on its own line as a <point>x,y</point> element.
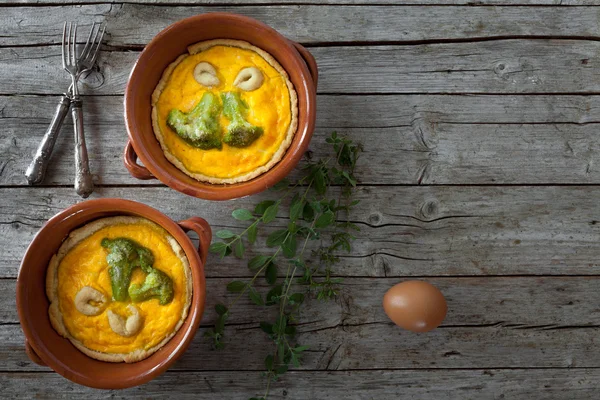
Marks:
<point>415,305</point>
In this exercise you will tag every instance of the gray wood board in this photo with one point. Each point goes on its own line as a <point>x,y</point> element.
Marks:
<point>405,231</point>
<point>496,66</point>
<point>374,346</point>
<point>269,3</point>
<point>420,139</point>
<point>546,384</point>
<point>136,25</point>
<point>523,302</point>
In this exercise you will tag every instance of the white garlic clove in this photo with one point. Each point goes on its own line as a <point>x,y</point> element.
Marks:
<point>249,79</point>
<point>206,75</point>
<point>90,301</point>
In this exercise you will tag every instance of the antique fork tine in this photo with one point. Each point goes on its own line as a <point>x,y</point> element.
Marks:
<point>88,57</point>
<point>37,169</point>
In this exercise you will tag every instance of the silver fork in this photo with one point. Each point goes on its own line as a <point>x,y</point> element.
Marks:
<point>37,169</point>
<point>84,185</point>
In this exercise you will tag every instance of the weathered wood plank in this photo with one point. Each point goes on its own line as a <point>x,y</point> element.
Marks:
<point>469,3</point>
<point>552,302</point>
<point>405,231</point>
<point>136,25</point>
<point>375,346</point>
<point>407,139</point>
<point>497,66</point>
<point>554,384</point>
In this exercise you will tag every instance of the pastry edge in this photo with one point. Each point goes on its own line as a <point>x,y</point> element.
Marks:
<point>277,156</point>
<point>56,317</point>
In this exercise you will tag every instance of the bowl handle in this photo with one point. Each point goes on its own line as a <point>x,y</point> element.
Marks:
<point>202,228</point>
<point>310,61</point>
<point>136,170</point>
<point>33,355</point>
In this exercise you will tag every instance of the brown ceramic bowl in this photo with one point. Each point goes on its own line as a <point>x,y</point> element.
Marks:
<point>46,347</point>
<point>164,49</point>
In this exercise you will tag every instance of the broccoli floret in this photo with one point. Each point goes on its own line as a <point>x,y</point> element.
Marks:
<point>123,257</point>
<point>200,127</point>
<point>157,285</point>
<point>240,133</point>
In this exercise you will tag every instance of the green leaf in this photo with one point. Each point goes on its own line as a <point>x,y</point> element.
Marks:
<point>266,327</point>
<point>316,206</point>
<point>239,249</point>
<point>289,246</point>
<point>262,206</point>
<point>292,227</point>
<point>217,247</point>
<point>242,214</point>
<point>257,262</point>
<point>299,349</point>
<point>252,233</point>
<point>320,185</point>
<point>282,369</point>
<point>350,179</point>
<point>296,207</point>
<point>255,296</point>
<point>273,295</point>
<point>325,220</point>
<point>269,362</point>
<point>280,324</point>
<point>270,213</point>
<point>296,298</point>
<point>290,330</point>
<point>294,360</point>
<point>236,286</point>
<point>276,238</point>
<point>220,309</point>
<point>225,234</point>
<point>220,324</point>
<point>308,213</point>
<point>271,273</point>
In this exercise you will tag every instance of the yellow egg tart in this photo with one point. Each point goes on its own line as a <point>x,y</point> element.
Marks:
<point>225,112</point>
<point>119,288</point>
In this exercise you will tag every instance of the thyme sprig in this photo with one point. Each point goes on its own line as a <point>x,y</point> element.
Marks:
<point>314,216</point>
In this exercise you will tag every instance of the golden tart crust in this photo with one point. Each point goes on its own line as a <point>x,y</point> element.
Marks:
<point>289,134</point>
<point>52,285</point>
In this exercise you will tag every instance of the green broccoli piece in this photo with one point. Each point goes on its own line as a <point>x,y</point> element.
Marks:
<point>123,257</point>
<point>240,133</point>
<point>200,127</point>
<point>157,285</point>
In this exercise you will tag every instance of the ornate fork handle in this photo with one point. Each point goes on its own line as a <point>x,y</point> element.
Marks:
<point>84,185</point>
<point>37,169</point>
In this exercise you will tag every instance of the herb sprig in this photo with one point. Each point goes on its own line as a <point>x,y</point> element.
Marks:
<point>314,216</point>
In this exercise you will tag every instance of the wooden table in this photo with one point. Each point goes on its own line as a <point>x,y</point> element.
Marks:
<point>480,175</point>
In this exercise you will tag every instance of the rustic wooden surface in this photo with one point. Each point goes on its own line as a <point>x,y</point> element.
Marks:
<point>480,174</point>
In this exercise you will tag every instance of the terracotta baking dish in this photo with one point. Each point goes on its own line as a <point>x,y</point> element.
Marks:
<point>164,49</point>
<point>45,347</point>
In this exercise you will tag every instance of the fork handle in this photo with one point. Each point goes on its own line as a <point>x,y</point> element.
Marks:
<point>83,178</point>
<point>37,169</point>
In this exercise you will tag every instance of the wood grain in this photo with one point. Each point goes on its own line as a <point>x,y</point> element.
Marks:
<point>374,346</point>
<point>407,139</point>
<point>405,231</point>
<point>497,66</point>
<point>510,303</point>
<point>136,24</point>
<point>552,384</point>
<point>470,3</point>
